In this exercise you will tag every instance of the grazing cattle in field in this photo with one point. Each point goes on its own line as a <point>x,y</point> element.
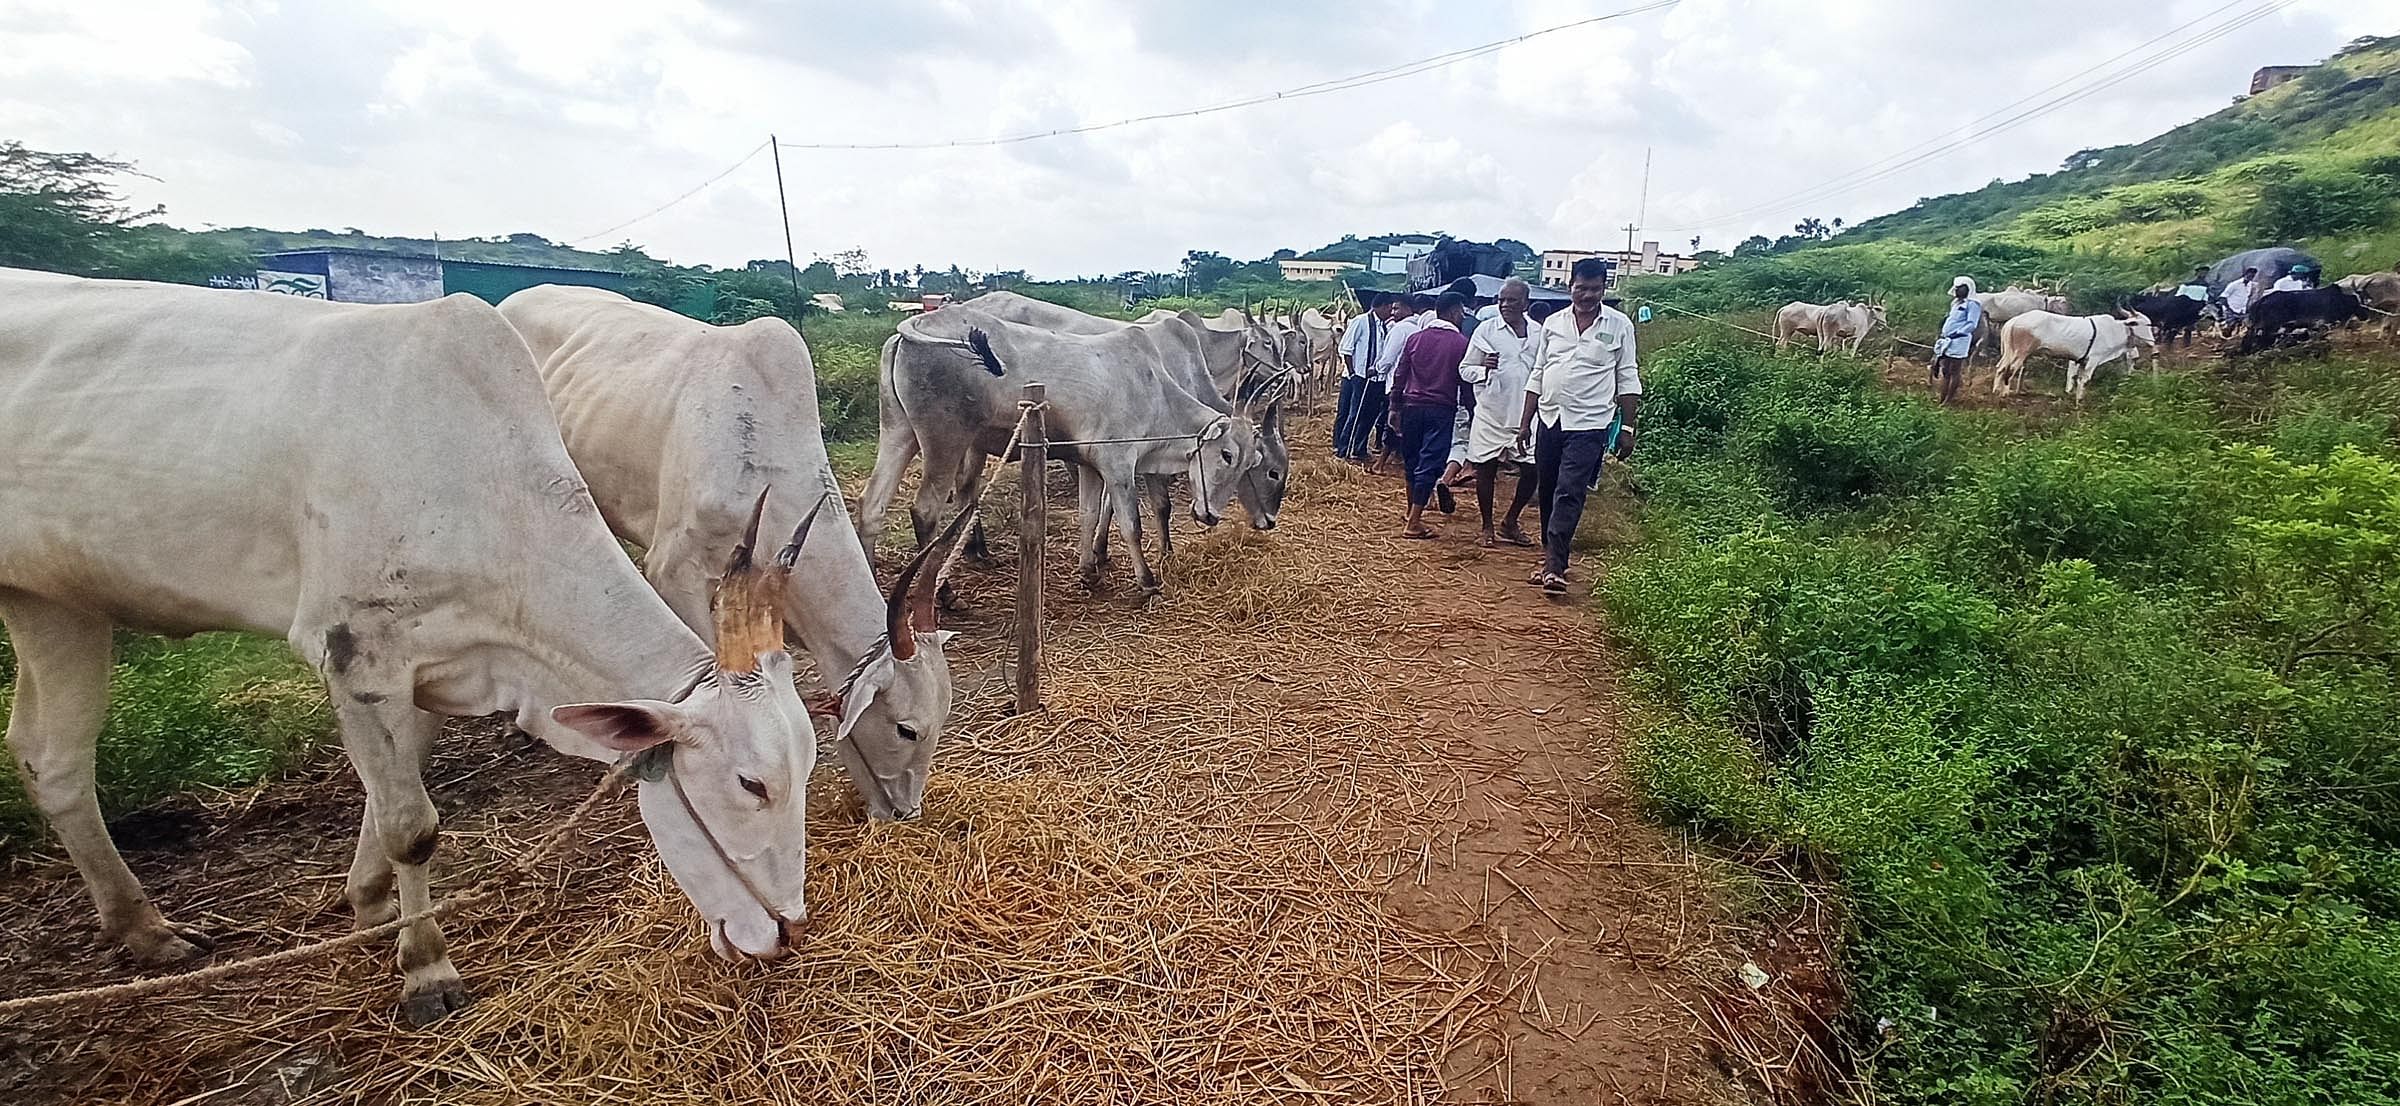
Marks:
<point>2087,343</point>
<point>1181,359</point>
<point>950,385</point>
<point>2278,313</point>
<point>1999,307</point>
<point>679,426</point>
<point>1832,324</point>
<point>2379,293</point>
<point>383,487</point>
<point>2175,316</point>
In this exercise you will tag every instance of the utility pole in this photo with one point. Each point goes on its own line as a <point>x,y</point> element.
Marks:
<point>791,259</point>
<point>1642,208</point>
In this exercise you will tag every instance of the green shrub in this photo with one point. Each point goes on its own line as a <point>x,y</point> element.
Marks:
<point>2096,737</point>
<point>2150,203</point>
<point>2318,203</point>
<point>2079,498</point>
<point>1819,454</point>
<point>218,710</point>
<point>847,381</point>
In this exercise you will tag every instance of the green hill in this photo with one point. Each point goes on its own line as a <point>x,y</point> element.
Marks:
<point>2313,163</point>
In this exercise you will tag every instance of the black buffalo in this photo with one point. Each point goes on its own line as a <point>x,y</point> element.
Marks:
<point>2174,315</point>
<point>2307,309</point>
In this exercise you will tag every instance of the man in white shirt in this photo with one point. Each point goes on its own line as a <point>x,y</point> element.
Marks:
<point>2238,297</point>
<point>1500,358</point>
<point>1361,347</point>
<point>2300,279</point>
<point>1587,390</point>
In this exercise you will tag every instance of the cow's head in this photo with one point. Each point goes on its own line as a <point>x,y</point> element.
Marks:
<point>2144,334</point>
<point>724,770</point>
<point>1263,482</point>
<point>1220,455</point>
<point>893,704</point>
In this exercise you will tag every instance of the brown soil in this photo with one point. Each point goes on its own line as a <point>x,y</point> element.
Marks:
<point>1416,754</point>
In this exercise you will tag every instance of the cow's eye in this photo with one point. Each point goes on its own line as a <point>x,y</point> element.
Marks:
<point>907,732</point>
<point>1225,453</point>
<point>754,787</point>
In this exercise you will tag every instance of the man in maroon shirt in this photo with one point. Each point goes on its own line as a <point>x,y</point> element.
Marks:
<point>1425,396</point>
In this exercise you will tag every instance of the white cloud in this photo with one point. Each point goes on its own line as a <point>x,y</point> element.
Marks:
<point>565,116</point>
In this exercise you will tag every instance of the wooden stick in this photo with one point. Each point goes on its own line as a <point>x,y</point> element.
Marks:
<point>1033,463</point>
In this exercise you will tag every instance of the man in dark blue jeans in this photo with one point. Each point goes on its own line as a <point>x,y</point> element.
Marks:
<point>1587,390</point>
<point>1426,393</point>
<point>1361,347</point>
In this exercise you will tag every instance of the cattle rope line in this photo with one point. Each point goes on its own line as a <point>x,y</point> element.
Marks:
<point>1760,333</point>
<point>483,891</point>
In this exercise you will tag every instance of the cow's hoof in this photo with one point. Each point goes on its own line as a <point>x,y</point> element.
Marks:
<point>168,943</point>
<point>436,1001</point>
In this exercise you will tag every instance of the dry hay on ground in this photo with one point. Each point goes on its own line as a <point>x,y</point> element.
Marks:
<point>1176,884</point>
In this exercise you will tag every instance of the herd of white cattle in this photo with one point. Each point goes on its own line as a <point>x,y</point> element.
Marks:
<point>424,500</point>
<point>2025,321</point>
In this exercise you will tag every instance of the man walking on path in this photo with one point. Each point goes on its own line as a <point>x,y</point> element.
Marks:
<point>1426,395</point>
<point>1958,336</point>
<point>1415,310</point>
<point>1587,390</point>
<point>1500,358</point>
<point>1361,347</point>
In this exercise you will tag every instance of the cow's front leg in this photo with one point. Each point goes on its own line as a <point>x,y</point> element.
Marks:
<point>1123,489</point>
<point>388,741</point>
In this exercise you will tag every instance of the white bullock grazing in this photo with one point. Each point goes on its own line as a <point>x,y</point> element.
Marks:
<point>2380,294</point>
<point>950,385</point>
<point>383,487</point>
<point>2087,343</point>
<point>1999,307</point>
<point>1832,323</point>
<point>679,426</point>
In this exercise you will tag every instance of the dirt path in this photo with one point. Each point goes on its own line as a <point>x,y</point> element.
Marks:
<point>1339,820</point>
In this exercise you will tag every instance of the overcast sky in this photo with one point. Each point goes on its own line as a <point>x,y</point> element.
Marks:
<point>564,117</point>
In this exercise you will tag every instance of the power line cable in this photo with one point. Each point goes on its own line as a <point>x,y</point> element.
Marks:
<point>693,191</point>
<point>1320,88</point>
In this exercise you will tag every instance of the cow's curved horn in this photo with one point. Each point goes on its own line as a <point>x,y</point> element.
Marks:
<point>791,550</point>
<point>747,603</point>
<point>908,603</point>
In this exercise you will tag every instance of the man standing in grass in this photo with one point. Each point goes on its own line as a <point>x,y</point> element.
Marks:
<point>1587,391</point>
<point>1958,336</point>
<point>1500,358</point>
<point>1426,395</point>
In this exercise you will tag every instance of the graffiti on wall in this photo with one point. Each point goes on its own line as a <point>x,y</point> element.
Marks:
<point>306,285</point>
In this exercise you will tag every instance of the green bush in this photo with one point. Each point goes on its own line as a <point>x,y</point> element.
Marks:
<point>2095,737</point>
<point>847,380</point>
<point>2318,203</point>
<point>1819,454</point>
<point>218,710</point>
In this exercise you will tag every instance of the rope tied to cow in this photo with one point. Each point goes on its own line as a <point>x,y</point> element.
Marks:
<point>483,891</point>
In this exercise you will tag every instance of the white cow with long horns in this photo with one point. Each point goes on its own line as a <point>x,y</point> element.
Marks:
<point>679,425</point>
<point>383,487</point>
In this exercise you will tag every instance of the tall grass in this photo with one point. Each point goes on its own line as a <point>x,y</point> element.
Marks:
<point>2092,727</point>
<point>217,710</point>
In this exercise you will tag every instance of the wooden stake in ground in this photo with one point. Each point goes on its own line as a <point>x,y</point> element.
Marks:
<point>1033,465</point>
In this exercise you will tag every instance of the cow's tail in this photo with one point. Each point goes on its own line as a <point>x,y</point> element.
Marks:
<point>980,344</point>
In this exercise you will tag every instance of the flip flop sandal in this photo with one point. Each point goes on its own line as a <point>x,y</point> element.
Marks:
<point>1419,535</point>
<point>1554,585</point>
<point>1488,542</point>
<point>1518,539</point>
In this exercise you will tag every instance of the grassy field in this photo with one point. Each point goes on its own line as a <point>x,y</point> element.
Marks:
<point>2087,726</point>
